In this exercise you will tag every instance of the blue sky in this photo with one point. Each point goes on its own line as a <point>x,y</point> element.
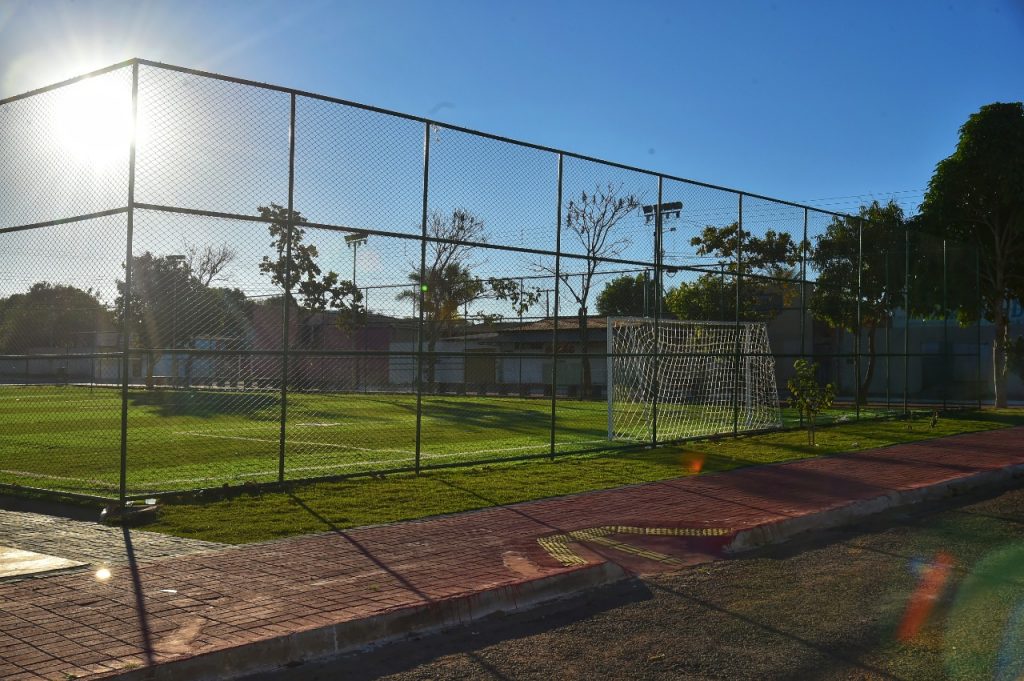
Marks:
<point>801,100</point>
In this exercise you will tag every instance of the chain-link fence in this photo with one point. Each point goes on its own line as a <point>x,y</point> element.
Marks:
<point>210,281</point>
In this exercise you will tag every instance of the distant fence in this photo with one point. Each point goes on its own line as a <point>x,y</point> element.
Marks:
<point>208,280</point>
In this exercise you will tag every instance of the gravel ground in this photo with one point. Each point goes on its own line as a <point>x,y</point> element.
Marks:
<point>829,608</point>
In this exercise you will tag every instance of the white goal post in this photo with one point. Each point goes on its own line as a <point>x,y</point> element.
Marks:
<point>692,378</point>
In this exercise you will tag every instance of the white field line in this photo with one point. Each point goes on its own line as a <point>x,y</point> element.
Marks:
<point>380,449</point>
<point>297,442</point>
<point>334,466</point>
<point>410,457</point>
<point>352,464</point>
<point>29,474</point>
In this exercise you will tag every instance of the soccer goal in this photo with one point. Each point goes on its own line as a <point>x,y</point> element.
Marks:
<point>695,378</point>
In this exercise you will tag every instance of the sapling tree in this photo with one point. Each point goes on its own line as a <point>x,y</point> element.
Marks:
<point>808,395</point>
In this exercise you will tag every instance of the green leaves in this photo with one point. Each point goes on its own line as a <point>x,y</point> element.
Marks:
<point>807,395</point>
<point>295,269</point>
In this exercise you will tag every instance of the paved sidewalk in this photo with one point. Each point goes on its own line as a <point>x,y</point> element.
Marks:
<point>287,599</point>
<point>89,542</point>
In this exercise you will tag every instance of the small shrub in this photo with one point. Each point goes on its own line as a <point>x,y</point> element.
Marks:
<point>807,395</point>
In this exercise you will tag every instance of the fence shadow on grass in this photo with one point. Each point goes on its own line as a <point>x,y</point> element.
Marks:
<point>262,406</point>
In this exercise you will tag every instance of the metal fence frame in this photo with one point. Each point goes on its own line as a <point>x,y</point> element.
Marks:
<point>656,265</point>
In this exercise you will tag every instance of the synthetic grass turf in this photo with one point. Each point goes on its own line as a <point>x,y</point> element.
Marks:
<point>333,506</point>
<point>68,438</point>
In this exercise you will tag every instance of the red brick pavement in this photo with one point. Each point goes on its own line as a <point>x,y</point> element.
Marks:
<point>71,624</point>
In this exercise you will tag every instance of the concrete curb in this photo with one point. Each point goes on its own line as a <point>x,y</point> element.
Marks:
<point>783,530</point>
<point>350,636</point>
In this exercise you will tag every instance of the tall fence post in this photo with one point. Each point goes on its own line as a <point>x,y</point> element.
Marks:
<point>906,321</point>
<point>946,373</point>
<point>126,297</point>
<point>803,298</point>
<point>422,295</point>
<point>286,313</point>
<point>554,330</point>
<point>888,337</point>
<point>856,340</point>
<point>657,311</point>
<point>980,303</point>
<point>736,346</point>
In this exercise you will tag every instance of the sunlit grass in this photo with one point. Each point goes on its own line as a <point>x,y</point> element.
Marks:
<point>69,438</point>
<point>338,505</point>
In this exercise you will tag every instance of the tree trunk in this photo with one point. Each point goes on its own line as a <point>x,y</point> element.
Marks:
<point>999,356</point>
<point>869,372</point>
<point>585,378</point>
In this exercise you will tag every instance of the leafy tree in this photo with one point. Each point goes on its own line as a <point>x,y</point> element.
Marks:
<point>51,316</point>
<point>808,396</point>
<point>836,255</point>
<point>447,286</point>
<point>768,263</point>
<point>168,307</point>
<point>627,296</point>
<point>591,220</point>
<point>298,273</point>
<point>977,195</point>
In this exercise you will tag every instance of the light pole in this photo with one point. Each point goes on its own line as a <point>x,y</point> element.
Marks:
<point>672,209</point>
<point>175,260</point>
<point>353,241</point>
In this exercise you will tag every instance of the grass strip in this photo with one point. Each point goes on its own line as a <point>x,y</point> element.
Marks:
<point>320,507</point>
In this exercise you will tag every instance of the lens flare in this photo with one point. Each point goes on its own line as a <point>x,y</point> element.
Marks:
<point>693,462</point>
<point>102,575</point>
<point>932,581</point>
<point>985,625</point>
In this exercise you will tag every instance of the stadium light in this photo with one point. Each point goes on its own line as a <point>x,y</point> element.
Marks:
<point>353,241</point>
<point>672,210</point>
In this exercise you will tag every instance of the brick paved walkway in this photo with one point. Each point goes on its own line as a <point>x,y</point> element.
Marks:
<point>89,542</point>
<point>202,603</point>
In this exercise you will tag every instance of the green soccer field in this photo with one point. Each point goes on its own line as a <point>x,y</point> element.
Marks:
<point>68,438</point>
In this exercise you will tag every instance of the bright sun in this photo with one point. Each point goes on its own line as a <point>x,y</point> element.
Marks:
<point>93,121</point>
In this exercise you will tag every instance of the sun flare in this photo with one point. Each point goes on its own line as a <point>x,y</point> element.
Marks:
<point>94,121</point>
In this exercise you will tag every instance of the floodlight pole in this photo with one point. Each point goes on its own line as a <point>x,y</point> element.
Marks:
<point>657,214</point>
<point>353,241</point>
<point>175,260</point>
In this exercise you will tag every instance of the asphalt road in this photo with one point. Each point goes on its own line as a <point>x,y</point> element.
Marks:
<point>930,595</point>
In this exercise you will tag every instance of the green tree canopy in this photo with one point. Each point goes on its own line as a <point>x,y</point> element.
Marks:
<point>447,286</point>
<point>169,307</point>
<point>298,273</point>
<point>977,195</point>
<point>836,257</point>
<point>627,296</point>
<point>51,316</point>
<point>768,263</point>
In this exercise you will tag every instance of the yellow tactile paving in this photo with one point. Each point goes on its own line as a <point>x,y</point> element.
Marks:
<point>558,546</point>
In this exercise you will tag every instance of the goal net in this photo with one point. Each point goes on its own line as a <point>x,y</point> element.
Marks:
<point>695,378</point>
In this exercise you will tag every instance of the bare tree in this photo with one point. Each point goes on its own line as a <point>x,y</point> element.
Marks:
<point>591,220</point>
<point>206,264</point>
<point>446,285</point>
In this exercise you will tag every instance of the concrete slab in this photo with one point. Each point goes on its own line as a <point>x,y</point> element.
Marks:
<point>18,563</point>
